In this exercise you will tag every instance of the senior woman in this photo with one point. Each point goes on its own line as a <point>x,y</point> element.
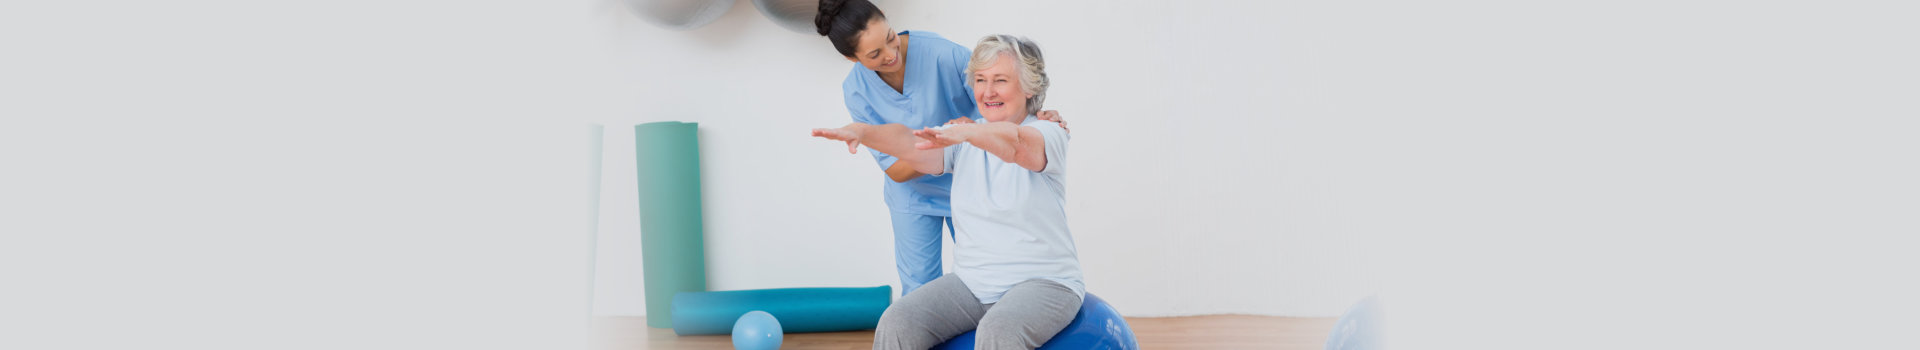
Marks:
<point>1017,277</point>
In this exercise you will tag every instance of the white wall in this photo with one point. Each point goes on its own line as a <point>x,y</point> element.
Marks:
<point>407,174</point>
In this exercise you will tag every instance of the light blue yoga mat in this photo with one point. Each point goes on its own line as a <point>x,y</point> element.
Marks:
<point>799,310</point>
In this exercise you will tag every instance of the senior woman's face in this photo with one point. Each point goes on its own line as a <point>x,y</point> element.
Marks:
<point>996,89</point>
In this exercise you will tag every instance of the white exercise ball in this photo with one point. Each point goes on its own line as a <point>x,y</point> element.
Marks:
<point>680,14</point>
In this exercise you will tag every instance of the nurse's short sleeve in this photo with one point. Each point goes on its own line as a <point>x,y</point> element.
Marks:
<point>1056,146</point>
<point>863,113</point>
<point>959,58</point>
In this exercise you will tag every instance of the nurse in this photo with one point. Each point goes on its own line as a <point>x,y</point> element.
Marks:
<point>913,78</point>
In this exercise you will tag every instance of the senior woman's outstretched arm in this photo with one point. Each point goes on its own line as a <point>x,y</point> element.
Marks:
<point>893,139</point>
<point>1010,142</point>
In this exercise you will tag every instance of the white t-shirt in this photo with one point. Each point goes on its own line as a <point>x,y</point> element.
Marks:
<point>1010,223</point>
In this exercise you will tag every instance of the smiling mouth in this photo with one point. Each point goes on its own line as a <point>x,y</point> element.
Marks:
<point>994,104</point>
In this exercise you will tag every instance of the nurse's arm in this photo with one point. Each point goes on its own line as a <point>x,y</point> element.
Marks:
<point>1010,142</point>
<point>892,139</point>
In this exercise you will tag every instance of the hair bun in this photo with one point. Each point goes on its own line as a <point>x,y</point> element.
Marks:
<point>823,21</point>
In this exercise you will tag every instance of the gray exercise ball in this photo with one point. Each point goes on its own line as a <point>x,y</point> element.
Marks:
<point>680,14</point>
<point>795,15</point>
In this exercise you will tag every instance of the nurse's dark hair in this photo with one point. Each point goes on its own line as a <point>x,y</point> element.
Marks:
<point>841,21</point>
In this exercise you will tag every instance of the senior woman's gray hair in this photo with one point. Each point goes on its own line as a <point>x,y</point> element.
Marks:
<point>1033,67</point>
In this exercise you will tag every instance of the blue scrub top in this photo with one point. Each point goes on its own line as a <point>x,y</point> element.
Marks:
<point>935,91</point>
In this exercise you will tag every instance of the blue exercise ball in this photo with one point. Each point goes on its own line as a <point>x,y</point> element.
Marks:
<point>1360,328</point>
<point>757,330</point>
<point>1098,326</point>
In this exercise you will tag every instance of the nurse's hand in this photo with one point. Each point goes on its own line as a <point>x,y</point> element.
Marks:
<point>849,134</point>
<point>1054,116</point>
<point>960,120</point>
<point>931,138</point>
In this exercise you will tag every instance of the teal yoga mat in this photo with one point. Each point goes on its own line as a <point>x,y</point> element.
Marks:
<point>799,310</point>
<point>671,246</point>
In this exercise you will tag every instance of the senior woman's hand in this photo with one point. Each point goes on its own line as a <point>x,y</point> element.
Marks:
<point>960,120</point>
<point>931,138</point>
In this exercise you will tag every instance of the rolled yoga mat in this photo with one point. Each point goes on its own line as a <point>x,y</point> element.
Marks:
<point>799,310</point>
<point>671,247</point>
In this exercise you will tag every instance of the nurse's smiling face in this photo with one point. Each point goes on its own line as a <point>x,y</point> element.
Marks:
<point>878,48</point>
<point>997,90</point>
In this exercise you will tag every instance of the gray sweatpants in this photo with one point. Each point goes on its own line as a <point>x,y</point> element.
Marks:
<point>1029,314</point>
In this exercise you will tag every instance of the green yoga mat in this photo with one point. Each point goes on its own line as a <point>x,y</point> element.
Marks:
<point>799,310</point>
<point>671,247</point>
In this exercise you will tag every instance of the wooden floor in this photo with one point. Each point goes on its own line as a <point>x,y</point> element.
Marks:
<point>1194,332</point>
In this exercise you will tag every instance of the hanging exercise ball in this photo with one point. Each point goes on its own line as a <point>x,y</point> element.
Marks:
<point>794,15</point>
<point>757,330</point>
<point>680,14</point>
